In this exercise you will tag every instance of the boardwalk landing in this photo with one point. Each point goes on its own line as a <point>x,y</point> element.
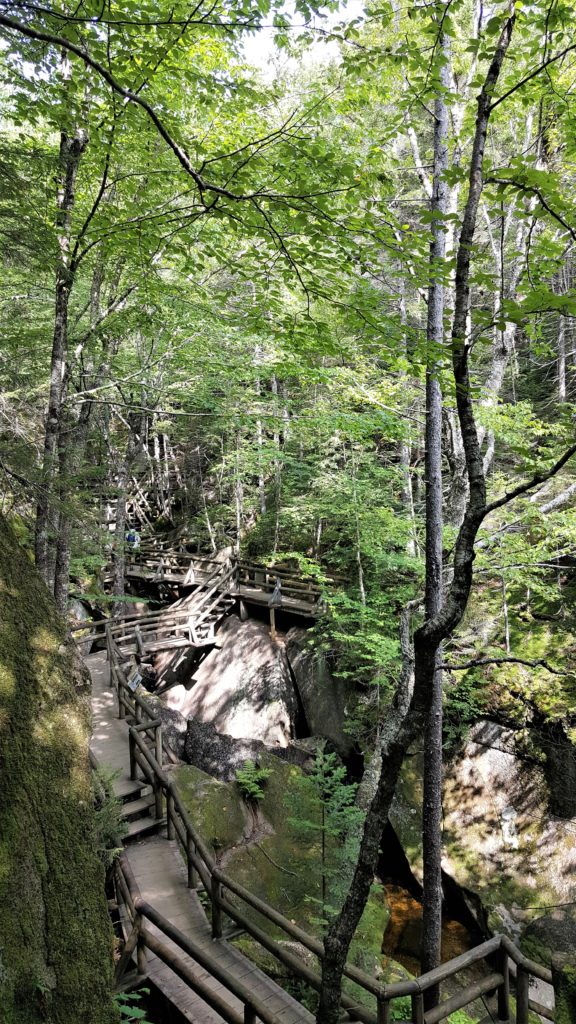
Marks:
<point>161,876</point>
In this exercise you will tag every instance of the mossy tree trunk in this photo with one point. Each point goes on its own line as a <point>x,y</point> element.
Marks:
<point>55,936</point>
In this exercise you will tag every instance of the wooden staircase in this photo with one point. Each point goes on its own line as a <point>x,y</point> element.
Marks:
<point>138,812</point>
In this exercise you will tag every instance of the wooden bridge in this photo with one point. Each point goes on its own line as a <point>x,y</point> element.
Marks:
<point>189,959</point>
<point>254,582</point>
<point>211,588</point>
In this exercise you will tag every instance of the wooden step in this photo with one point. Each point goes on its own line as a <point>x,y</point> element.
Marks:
<point>143,825</point>
<point>128,789</point>
<point>137,808</point>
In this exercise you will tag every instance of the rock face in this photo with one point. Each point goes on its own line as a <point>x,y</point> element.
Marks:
<point>216,753</point>
<point>323,697</point>
<point>55,936</point>
<point>221,755</point>
<point>502,845</point>
<point>276,852</point>
<point>174,724</point>
<point>243,687</point>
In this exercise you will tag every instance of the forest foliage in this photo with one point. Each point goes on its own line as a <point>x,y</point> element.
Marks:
<point>214,307</point>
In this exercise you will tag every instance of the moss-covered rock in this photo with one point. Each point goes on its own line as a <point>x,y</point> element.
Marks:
<point>502,845</point>
<point>564,978</point>
<point>55,936</point>
<point>553,933</point>
<point>283,866</point>
<point>216,808</point>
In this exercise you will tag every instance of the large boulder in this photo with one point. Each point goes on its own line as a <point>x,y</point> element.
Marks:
<point>323,697</point>
<point>550,934</point>
<point>510,856</point>
<point>243,687</point>
<point>218,754</point>
<point>221,755</point>
<point>276,851</point>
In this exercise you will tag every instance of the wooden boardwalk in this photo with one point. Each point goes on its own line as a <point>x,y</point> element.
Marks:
<point>162,879</point>
<point>159,871</point>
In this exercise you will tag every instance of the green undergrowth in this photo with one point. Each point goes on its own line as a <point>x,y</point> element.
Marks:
<point>281,862</point>
<point>540,629</point>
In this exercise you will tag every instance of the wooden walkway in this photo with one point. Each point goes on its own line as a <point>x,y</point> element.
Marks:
<point>162,879</point>
<point>159,871</point>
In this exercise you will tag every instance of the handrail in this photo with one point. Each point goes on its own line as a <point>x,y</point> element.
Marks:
<point>202,864</point>
<point>299,588</point>
<point>191,616</point>
<point>254,1007</point>
<point>133,704</point>
<point>202,868</point>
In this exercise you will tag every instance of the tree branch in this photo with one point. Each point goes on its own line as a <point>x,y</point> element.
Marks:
<point>180,154</point>
<point>539,478</point>
<point>528,78</point>
<point>504,661</point>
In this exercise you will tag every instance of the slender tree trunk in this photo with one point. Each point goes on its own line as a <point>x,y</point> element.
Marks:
<point>135,435</point>
<point>432,809</point>
<point>71,150</point>
<point>73,441</point>
<point>361,586</point>
<point>401,729</point>
<point>72,447</point>
<point>562,360</point>
<point>404,450</point>
<point>238,495</point>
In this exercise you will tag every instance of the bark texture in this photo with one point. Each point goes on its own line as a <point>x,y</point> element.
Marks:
<point>432,809</point>
<point>56,939</point>
<point>71,150</point>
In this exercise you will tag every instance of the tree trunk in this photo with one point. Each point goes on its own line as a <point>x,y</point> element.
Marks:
<point>562,360</point>
<point>432,808</point>
<point>71,150</point>
<point>400,730</point>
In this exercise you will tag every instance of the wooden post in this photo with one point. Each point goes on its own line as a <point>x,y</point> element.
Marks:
<point>116,677</point>
<point>503,989</point>
<point>170,814</point>
<point>139,643</point>
<point>417,1008</point>
<point>141,953</point>
<point>383,1008</point>
<point>157,798</point>
<point>158,740</point>
<point>129,947</point>
<point>192,876</point>
<point>216,910</point>
<point>522,996</point>
<point>272,623</point>
<point>132,749</point>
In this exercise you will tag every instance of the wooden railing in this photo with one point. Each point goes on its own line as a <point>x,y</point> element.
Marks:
<point>140,938</point>
<point>186,620</point>
<point>132,705</point>
<point>228,898</point>
<point>220,578</point>
<point>264,577</point>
